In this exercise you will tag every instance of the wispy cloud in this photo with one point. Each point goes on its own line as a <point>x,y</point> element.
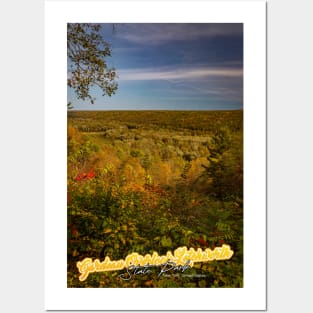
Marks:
<point>177,74</point>
<point>158,33</point>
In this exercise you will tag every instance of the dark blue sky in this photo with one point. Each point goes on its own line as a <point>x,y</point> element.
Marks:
<point>173,67</point>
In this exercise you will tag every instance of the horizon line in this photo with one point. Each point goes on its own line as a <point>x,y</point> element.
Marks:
<point>136,110</point>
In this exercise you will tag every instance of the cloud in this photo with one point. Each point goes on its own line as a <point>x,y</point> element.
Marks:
<point>177,74</point>
<point>158,33</point>
<point>222,84</point>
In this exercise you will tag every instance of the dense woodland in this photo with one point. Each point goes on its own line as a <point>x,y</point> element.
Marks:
<point>144,181</point>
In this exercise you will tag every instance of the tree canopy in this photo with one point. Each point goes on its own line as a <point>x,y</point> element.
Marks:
<point>87,67</point>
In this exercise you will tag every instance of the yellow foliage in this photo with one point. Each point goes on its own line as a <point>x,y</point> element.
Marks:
<point>196,168</point>
<point>73,133</point>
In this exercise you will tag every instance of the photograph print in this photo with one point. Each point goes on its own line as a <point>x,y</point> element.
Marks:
<point>155,155</point>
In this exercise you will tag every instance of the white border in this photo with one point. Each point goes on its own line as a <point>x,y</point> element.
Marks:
<point>253,295</point>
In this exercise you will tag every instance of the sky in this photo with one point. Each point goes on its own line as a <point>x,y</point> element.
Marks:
<point>172,67</point>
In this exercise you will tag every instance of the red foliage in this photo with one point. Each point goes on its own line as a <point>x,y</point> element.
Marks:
<point>202,241</point>
<point>91,174</point>
<point>82,176</point>
<point>75,232</point>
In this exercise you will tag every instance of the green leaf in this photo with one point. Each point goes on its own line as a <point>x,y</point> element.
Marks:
<point>166,242</point>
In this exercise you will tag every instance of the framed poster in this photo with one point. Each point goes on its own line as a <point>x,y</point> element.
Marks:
<point>155,155</point>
